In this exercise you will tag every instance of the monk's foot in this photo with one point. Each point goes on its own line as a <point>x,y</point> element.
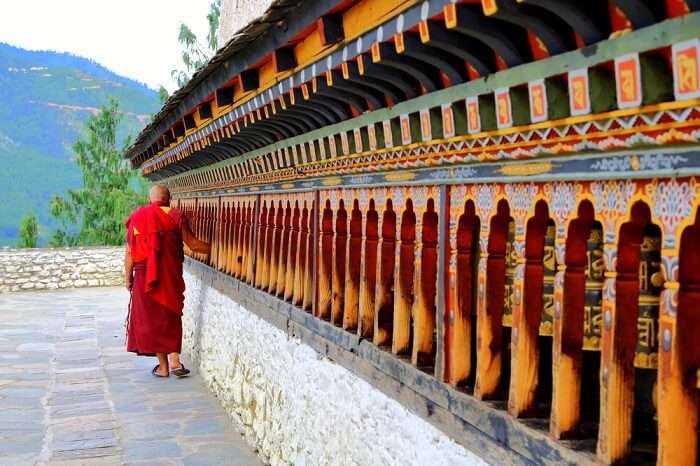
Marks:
<point>159,371</point>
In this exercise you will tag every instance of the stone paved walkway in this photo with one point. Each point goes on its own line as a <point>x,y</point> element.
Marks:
<point>71,395</point>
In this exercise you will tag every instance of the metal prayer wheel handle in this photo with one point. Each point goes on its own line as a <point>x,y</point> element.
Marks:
<point>592,308</point>
<point>511,260</point>
<point>550,269</point>
<point>650,285</point>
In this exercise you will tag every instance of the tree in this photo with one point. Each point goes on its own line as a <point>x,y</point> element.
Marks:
<point>163,95</point>
<point>28,231</point>
<point>95,213</point>
<point>196,55</point>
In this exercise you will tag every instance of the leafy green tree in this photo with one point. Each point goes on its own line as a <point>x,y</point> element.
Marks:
<point>163,95</point>
<point>194,54</point>
<point>28,231</point>
<point>95,213</point>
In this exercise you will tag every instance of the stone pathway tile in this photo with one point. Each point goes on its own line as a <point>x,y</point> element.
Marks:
<point>70,395</point>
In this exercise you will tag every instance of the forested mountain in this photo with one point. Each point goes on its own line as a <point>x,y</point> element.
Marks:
<point>44,99</point>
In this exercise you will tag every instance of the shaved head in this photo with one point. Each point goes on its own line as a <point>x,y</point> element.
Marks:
<point>159,194</point>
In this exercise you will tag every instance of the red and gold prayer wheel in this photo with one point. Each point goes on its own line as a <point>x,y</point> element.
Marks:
<point>650,285</point>
<point>550,269</point>
<point>511,262</point>
<point>592,310</point>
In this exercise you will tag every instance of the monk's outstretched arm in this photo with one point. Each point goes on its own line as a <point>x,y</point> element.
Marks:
<point>192,242</point>
<point>128,269</point>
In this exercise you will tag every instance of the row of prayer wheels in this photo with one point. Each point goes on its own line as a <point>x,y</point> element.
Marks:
<point>650,286</point>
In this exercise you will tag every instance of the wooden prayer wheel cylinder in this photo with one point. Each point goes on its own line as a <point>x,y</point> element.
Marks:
<point>651,282</point>
<point>550,269</point>
<point>511,262</point>
<point>595,270</point>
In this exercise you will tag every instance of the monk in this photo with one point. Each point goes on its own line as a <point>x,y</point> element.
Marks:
<point>153,274</point>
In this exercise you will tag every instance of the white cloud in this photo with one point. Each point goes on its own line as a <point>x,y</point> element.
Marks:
<point>134,38</point>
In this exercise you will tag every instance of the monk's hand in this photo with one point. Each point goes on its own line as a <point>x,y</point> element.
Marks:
<point>128,283</point>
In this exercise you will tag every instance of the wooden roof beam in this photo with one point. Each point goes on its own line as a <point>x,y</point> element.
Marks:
<point>546,27</point>
<point>426,75</point>
<point>466,48</point>
<point>335,79</point>
<point>351,73</point>
<point>453,68</point>
<point>497,36</point>
<point>590,20</point>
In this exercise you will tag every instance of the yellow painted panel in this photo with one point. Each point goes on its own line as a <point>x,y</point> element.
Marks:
<point>310,48</point>
<point>400,176</point>
<point>268,75</point>
<point>365,15</point>
<point>527,169</point>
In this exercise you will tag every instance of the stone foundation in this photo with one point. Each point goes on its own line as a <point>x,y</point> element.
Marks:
<point>50,269</point>
<point>295,405</point>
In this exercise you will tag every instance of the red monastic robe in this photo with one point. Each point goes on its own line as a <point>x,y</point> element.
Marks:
<point>154,238</point>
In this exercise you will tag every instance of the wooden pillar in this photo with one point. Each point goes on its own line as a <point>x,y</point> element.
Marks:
<point>300,270</point>
<point>211,229</point>
<point>220,232</point>
<point>462,253</point>
<point>276,246</point>
<point>310,268</point>
<point>561,416</point>
<point>425,285</point>
<point>490,308</point>
<point>577,316</point>
<point>324,262</point>
<point>678,389</point>
<point>316,240</point>
<point>223,248</point>
<point>244,251</point>
<point>482,328</point>
<point>261,243</point>
<point>235,237</point>
<point>616,370</point>
<point>253,215</point>
<point>353,269</point>
<point>368,272</point>
<point>292,255</point>
<point>403,276</point>
<point>282,263</point>
<point>231,239</point>
<point>383,296</point>
<point>524,351</point>
<point>339,263</point>
<point>528,309</point>
<point>269,243</point>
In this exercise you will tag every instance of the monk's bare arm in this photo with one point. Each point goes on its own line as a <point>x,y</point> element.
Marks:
<point>192,242</point>
<point>128,269</point>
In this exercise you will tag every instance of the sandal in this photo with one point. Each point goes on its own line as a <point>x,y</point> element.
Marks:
<point>156,374</point>
<point>181,371</point>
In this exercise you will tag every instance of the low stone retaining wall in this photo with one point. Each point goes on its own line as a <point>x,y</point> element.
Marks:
<point>53,268</point>
<point>295,405</point>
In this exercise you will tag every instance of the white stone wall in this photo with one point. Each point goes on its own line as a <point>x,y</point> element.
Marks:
<point>49,269</point>
<point>295,406</point>
<point>236,14</point>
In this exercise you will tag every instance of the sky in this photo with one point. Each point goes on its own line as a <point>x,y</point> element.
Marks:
<point>133,38</point>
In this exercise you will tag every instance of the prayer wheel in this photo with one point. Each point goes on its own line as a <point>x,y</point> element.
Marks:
<point>595,270</point>
<point>550,268</point>
<point>511,261</point>
<point>650,285</point>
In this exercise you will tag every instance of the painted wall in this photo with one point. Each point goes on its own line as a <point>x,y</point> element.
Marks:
<point>50,269</point>
<point>295,406</point>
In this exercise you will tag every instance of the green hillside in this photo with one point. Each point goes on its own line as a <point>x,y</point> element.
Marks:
<point>44,99</point>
